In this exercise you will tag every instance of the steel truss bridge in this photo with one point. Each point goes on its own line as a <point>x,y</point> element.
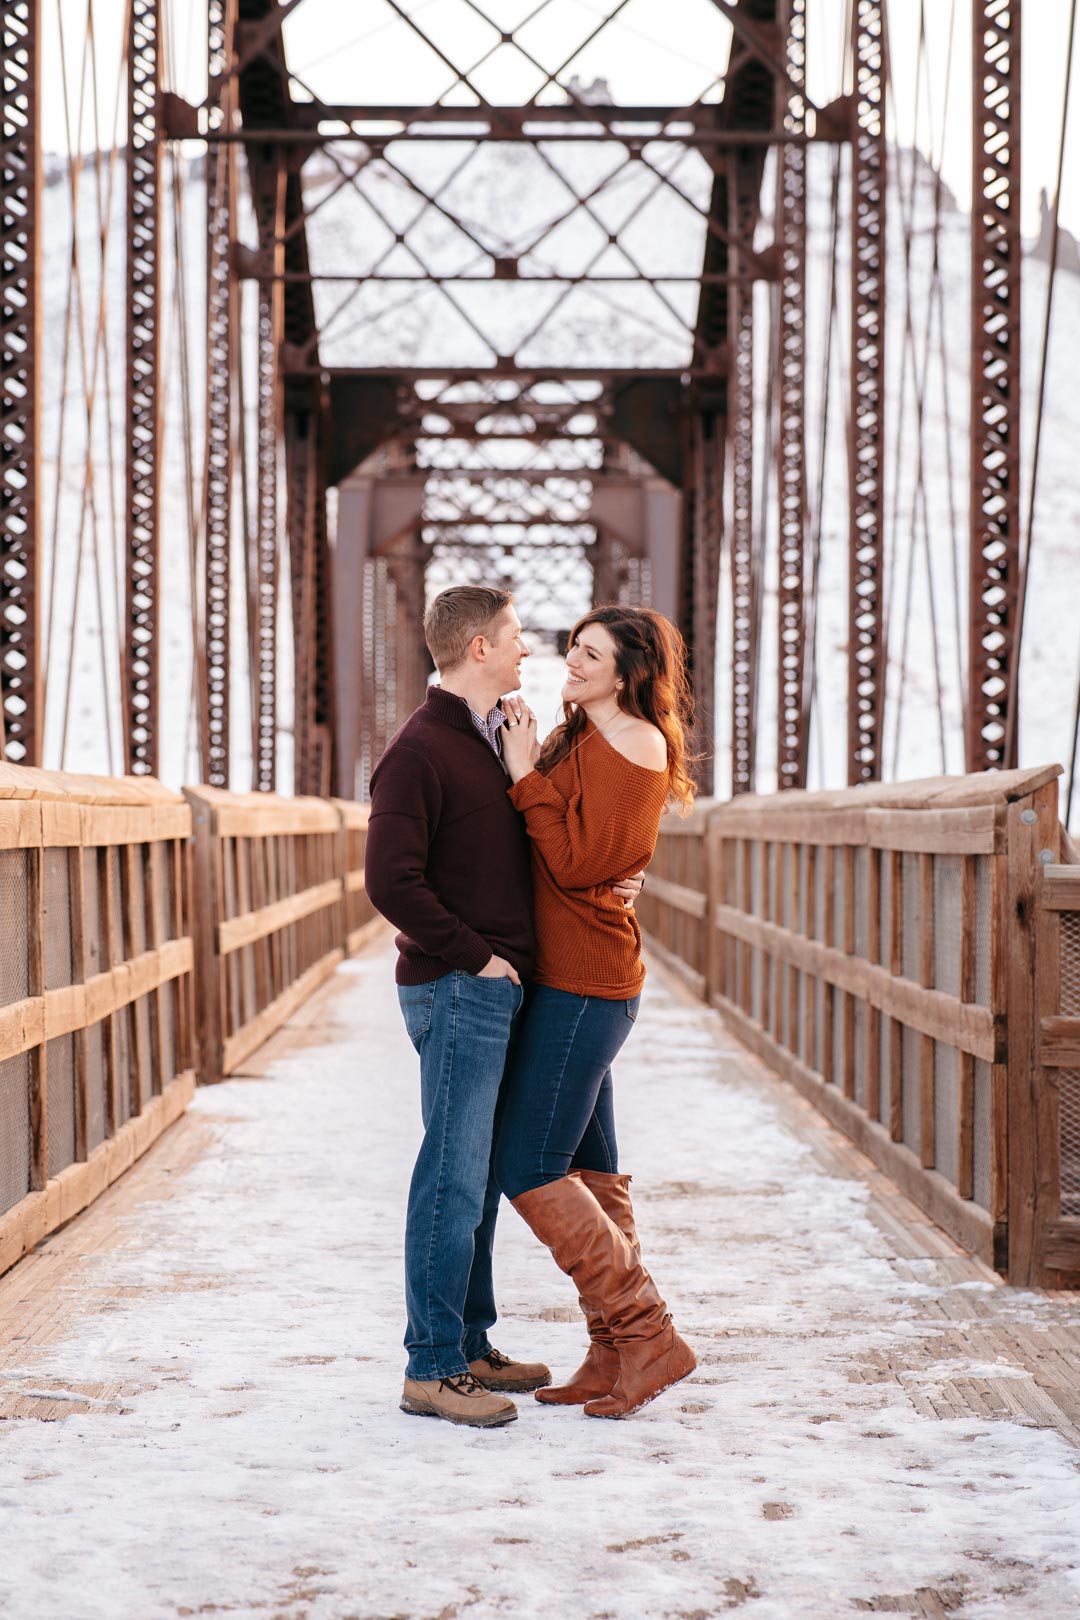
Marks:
<point>332,485</point>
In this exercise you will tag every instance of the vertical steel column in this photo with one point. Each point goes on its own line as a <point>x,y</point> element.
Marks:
<point>707,540</point>
<point>142,400</point>
<point>220,344</point>
<point>20,372</point>
<point>300,477</point>
<point>866,442</point>
<point>270,399</point>
<point>994,537</point>
<point>742,195</point>
<point>792,705</point>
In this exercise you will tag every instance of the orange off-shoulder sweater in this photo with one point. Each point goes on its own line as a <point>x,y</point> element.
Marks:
<point>592,820</point>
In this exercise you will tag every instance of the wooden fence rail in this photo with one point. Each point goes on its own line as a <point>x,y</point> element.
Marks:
<point>96,1040</point>
<point>887,951</point>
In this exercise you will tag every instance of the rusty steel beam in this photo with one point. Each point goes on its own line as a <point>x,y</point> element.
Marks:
<point>743,184</point>
<point>866,436</point>
<point>707,542</point>
<point>792,697</point>
<point>143,405</point>
<point>270,205</point>
<point>994,519</point>
<point>21,314</point>
<point>301,482</point>
<point>221,336</point>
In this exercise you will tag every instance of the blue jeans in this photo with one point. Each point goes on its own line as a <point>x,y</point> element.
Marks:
<point>460,1025</point>
<point>556,1113</point>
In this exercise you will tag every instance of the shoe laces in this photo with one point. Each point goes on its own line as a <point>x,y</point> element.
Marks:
<point>497,1360</point>
<point>464,1384</point>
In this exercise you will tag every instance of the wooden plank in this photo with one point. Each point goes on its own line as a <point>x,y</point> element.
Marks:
<point>32,1219</point>
<point>292,816</point>
<point>1061,1248</point>
<point>872,924</point>
<point>142,1073</point>
<point>965,1117</point>
<point>20,824</point>
<point>366,932</point>
<point>1033,1155</point>
<point>976,831</point>
<point>676,895</point>
<point>1059,1042</point>
<point>965,1222</point>
<point>155,931</point>
<point>35,947</point>
<point>355,884</point>
<point>1000,927</point>
<point>1061,887</point>
<point>207,992</point>
<point>77,925</point>
<point>245,1041</point>
<point>926,1044</point>
<point>896,969</point>
<point>931,1012</point>
<point>848,1005</point>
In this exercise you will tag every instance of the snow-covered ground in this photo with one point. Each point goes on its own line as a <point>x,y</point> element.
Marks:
<point>261,1466</point>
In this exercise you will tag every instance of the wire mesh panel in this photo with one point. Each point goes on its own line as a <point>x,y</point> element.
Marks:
<point>948,889</point>
<point>946,1109</point>
<point>60,1090</point>
<point>57,908</point>
<point>911,1049</point>
<point>95,1086</point>
<point>861,892</point>
<point>860,1028</point>
<point>911,900</point>
<point>14,1130</point>
<point>14,960</point>
<point>983,1111</point>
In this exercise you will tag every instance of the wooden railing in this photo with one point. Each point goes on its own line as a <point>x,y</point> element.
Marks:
<point>1056,1074</point>
<point>361,918</point>
<point>96,1054</point>
<point>884,950</point>
<point>268,885</point>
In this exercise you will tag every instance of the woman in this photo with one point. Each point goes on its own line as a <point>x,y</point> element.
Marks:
<point>592,798</point>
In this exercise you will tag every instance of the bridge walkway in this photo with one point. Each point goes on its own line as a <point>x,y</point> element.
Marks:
<point>199,1375</point>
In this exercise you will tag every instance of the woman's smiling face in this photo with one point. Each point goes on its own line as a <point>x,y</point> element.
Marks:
<point>590,667</point>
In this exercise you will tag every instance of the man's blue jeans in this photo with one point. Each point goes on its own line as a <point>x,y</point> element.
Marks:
<point>460,1025</point>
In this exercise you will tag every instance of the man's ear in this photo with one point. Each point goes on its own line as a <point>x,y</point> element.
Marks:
<point>476,648</point>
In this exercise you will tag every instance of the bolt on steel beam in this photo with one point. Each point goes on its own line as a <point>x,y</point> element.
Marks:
<point>21,295</point>
<point>994,517</point>
<point>220,357</point>
<point>143,396</point>
<point>792,705</point>
<point>866,433</point>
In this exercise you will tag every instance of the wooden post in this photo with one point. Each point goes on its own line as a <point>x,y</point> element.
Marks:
<point>715,954</point>
<point>1032,833</point>
<point>205,909</point>
<point>873,952</point>
<point>926,1042</point>
<point>80,1037</point>
<point>35,947</point>
<point>896,968</point>
<point>828,1044</point>
<point>848,1004</point>
<point>965,1121</point>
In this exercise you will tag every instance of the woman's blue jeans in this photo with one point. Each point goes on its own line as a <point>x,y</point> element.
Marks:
<point>460,1025</point>
<point>556,1113</point>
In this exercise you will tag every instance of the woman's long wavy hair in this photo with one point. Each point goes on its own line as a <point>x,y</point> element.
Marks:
<point>650,659</point>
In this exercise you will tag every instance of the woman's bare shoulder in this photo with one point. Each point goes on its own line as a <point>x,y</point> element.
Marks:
<point>642,743</point>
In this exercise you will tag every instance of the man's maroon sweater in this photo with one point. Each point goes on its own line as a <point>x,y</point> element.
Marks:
<point>448,859</point>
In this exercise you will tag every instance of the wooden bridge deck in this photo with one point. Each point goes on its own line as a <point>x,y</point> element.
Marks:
<point>877,1423</point>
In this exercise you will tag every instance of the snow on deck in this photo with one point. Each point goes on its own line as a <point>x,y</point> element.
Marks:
<point>218,1342</point>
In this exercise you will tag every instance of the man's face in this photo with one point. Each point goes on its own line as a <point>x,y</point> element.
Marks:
<point>506,651</point>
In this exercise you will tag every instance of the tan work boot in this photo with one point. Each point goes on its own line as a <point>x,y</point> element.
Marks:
<point>458,1399</point>
<point>497,1371</point>
<point>599,1372</point>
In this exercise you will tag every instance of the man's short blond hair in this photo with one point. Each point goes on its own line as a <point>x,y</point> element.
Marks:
<point>456,616</point>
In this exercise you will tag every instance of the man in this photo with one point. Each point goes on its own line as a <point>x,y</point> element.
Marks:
<point>448,863</point>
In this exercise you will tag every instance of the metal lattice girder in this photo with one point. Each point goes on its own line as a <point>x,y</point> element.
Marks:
<point>301,479</point>
<point>707,539</point>
<point>270,208</point>
<point>792,705</point>
<point>20,346</point>
<point>220,346</point>
<point>143,401</point>
<point>994,548</point>
<point>743,189</point>
<point>866,450</point>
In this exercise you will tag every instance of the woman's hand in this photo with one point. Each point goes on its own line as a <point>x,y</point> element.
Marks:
<point>519,744</point>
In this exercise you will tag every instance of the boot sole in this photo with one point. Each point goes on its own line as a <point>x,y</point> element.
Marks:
<point>504,1386</point>
<point>641,1405</point>
<point>497,1420</point>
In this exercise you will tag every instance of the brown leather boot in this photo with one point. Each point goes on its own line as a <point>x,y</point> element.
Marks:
<point>599,1372</point>
<point>566,1217</point>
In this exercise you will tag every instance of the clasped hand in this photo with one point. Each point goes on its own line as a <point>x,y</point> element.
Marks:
<point>521,750</point>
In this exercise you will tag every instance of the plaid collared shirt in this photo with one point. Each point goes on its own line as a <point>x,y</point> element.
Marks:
<point>490,728</point>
